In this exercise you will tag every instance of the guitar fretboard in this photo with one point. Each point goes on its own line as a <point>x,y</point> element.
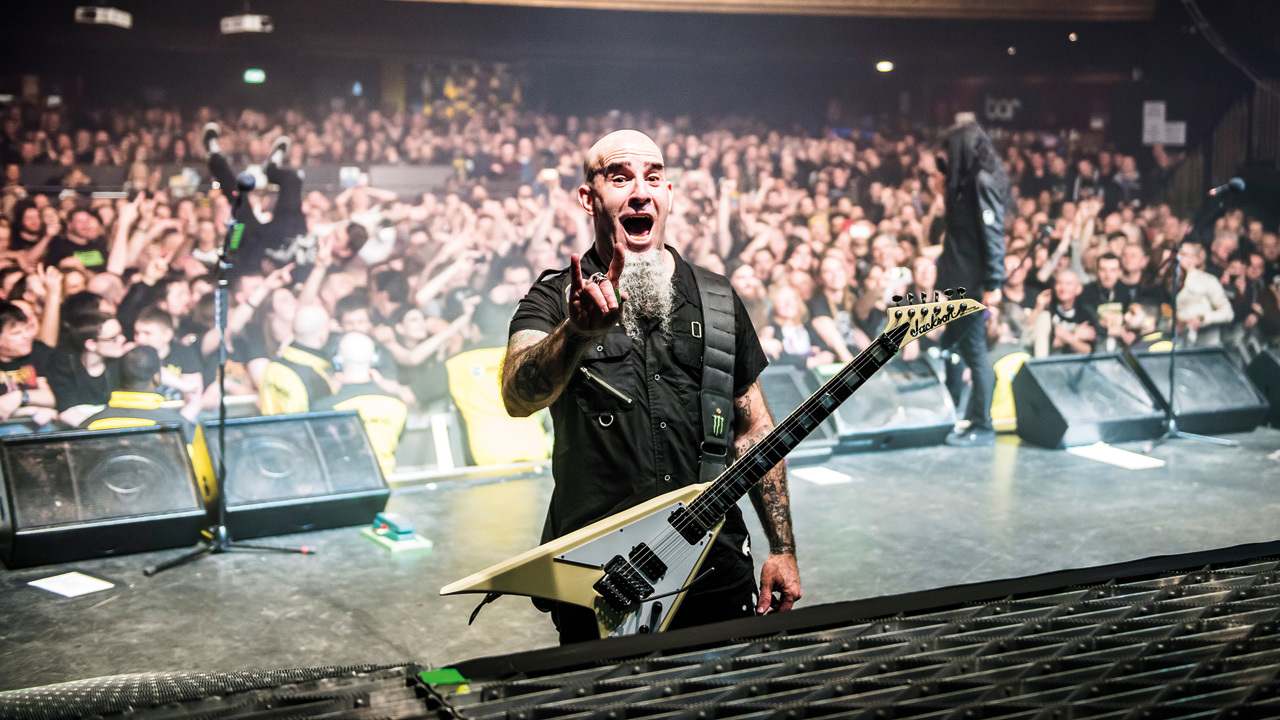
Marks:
<point>750,468</point>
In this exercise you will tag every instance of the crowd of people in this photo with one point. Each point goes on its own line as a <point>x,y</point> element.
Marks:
<point>817,234</point>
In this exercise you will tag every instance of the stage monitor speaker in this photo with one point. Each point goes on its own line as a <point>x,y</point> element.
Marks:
<point>1070,400</point>
<point>91,493</point>
<point>1212,393</point>
<point>904,405</point>
<point>784,388</point>
<point>1264,371</point>
<point>297,473</point>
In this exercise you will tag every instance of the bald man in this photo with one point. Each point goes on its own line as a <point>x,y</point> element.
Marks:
<point>613,345</point>
<point>293,382</point>
<point>381,409</point>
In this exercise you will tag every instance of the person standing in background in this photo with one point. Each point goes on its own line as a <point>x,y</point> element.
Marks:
<point>977,192</point>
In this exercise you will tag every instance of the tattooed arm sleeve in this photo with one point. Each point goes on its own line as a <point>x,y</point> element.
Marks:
<point>537,368</point>
<point>752,422</point>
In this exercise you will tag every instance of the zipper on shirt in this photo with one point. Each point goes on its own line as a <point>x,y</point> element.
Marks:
<point>612,390</point>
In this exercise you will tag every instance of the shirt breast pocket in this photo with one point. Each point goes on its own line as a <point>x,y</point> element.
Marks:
<point>607,383</point>
<point>688,352</point>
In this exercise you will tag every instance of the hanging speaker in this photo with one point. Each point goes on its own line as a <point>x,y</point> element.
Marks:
<point>784,388</point>
<point>1211,393</point>
<point>1264,371</point>
<point>904,405</point>
<point>296,473</point>
<point>1070,400</point>
<point>91,493</point>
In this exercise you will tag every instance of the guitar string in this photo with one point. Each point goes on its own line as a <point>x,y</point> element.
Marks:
<point>723,485</point>
<point>720,489</point>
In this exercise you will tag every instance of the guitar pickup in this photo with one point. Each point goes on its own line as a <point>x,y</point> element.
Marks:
<point>647,562</point>
<point>687,525</point>
<point>621,587</point>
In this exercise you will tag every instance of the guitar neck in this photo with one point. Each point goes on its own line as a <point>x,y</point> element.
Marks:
<point>752,466</point>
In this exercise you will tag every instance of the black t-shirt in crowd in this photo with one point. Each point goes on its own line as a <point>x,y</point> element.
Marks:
<point>93,254</point>
<point>842,314</point>
<point>1079,314</point>
<point>630,430</point>
<point>72,384</point>
<point>183,359</point>
<point>22,373</point>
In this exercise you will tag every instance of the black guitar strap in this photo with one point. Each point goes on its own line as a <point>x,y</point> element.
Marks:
<point>719,343</point>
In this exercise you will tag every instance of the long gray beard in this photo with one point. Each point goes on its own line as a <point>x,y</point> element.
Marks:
<point>649,292</point>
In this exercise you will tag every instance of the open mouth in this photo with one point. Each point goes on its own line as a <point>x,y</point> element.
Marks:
<point>638,226</point>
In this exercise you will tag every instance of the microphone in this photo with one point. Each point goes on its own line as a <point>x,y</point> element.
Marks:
<point>1235,184</point>
<point>245,182</point>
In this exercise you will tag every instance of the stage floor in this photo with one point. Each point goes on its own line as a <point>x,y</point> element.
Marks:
<point>904,521</point>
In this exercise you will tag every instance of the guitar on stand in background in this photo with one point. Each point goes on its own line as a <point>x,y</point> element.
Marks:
<point>633,568</point>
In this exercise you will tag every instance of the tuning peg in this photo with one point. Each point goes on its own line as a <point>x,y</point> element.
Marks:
<point>911,313</point>
<point>897,299</point>
<point>898,314</point>
<point>911,298</point>
<point>948,292</point>
<point>960,291</point>
<point>936,297</point>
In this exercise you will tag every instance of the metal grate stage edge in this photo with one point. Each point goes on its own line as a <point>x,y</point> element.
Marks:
<point>1195,635</point>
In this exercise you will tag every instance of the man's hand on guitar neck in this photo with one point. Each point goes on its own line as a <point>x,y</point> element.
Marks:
<point>780,575</point>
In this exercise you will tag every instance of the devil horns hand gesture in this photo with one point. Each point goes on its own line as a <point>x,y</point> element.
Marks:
<point>595,304</point>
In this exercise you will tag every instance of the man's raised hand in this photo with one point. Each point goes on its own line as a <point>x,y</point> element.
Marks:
<point>595,303</point>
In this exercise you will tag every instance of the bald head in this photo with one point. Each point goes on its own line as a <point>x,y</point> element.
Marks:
<point>311,326</point>
<point>356,351</point>
<point>620,146</point>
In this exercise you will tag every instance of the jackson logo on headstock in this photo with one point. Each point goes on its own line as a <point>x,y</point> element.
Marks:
<point>928,321</point>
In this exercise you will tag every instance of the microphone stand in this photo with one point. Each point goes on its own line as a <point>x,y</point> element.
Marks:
<point>1171,431</point>
<point>217,540</point>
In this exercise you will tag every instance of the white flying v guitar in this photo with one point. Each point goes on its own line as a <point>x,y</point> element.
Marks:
<point>632,568</point>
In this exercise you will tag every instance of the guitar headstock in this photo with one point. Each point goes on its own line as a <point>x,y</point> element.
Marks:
<point>913,317</point>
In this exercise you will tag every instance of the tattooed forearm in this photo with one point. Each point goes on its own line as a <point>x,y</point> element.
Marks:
<point>772,502</point>
<point>537,368</point>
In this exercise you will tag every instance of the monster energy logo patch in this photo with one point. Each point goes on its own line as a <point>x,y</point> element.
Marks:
<point>717,425</point>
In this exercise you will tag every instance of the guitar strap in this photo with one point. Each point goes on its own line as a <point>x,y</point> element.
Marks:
<point>719,344</point>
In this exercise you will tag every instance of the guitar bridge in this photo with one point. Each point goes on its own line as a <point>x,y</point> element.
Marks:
<point>621,587</point>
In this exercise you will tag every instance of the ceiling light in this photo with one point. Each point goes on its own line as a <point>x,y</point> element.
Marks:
<point>93,15</point>
<point>884,66</point>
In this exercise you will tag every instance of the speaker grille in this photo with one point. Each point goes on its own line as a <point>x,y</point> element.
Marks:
<point>1092,389</point>
<point>297,457</point>
<point>91,477</point>
<point>1205,381</point>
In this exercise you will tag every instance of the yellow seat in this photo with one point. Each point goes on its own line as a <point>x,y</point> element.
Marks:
<point>494,437</point>
<point>1004,417</point>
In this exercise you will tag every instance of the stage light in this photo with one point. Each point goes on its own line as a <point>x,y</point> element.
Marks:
<point>1013,50</point>
<point>92,15</point>
<point>233,24</point>
<point>357,88</point>
<point>1073,37</point>
<point>884,66</point>
<point>255,76</point>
